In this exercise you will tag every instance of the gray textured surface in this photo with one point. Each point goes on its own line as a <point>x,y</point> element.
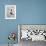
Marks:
<point>28,43</point>
<point>7,45</point>
<point>34,43</point>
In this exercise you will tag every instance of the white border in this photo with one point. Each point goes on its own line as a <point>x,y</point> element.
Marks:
<point>6,11</point>
<point>18,33</point>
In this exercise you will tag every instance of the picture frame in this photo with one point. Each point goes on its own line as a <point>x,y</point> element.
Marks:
<point>10,11</point>
<point>36,32</point>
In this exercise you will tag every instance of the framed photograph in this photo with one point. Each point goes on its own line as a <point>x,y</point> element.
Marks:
<point>10,11</point>
<point>33,32</point>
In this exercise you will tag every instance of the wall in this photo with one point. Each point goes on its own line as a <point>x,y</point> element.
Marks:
<point>27,12</point>
<point>31,11</point>
<point>6,26</point>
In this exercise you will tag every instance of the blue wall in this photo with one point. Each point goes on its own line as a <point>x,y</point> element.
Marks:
<point>27,12</point>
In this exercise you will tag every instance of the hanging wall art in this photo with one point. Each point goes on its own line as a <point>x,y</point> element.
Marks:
<point>10,11</point>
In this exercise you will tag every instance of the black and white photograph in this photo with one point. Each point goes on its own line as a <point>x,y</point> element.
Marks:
<point>10,11</point>
<point>29,34</point>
